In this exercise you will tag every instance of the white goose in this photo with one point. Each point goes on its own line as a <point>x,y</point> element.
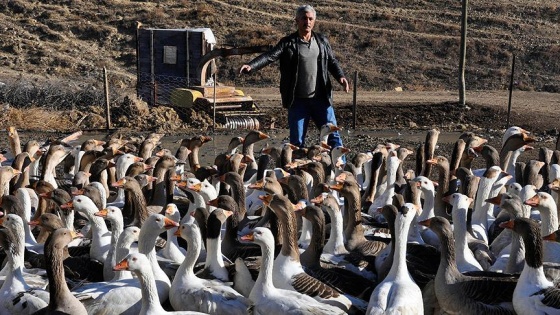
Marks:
<point>128,236</point>
<point>140,265</point>
<point>191,293</point>
<point>482,208</point>
<point>464,256</point>
<point>533,294</point>
<point>121,166</point>
<point>546,205</point>
<point>386,197</point>
<point>268,299</point>
<point>101,237</point>
<point>125,296</point>
<point>427,188</point>
<point>398,293</point>
<point>172,250</point>
<point>114,215</point>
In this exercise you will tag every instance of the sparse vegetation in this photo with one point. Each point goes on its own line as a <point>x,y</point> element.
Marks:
<point>400,43</point>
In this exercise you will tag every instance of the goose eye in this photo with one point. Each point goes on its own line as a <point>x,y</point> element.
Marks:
<point>134,259</point>
<point>79,200</point>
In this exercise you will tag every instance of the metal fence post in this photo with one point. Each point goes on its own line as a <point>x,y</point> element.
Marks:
<point>107,101</point>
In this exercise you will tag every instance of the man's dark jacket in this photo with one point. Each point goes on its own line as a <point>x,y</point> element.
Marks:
<point>287,51</point>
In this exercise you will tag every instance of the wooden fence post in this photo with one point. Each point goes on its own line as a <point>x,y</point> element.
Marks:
<point>107,101</point>
<point>354,100</point>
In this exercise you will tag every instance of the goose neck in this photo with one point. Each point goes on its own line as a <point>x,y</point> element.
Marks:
<point>264,284</point>
<point>214,257</point>
<point>399,267</point>
<point>150,300</point>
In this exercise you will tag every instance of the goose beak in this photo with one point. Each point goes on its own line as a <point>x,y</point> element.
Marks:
<point>76,235</point>
<point>248,237</point>
<point>507,225</point>
<point>425,223</point>
<point>123,265</point>
<point>101,213</point>
<point>495,200</point>
<point>120,183</point>
<point>337,187</point>
<point>77,192</point>
<point>213,202</point>
<point>68,205</point>
<point>34,223</point>
<point>533,201</point>
<point>318,200</point>
<point>266,199</point>
<point>175,177</point>
<point>168,223</point>
<point>178,231</point>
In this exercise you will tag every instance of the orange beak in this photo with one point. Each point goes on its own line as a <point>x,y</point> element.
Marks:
<point>34,223</point>
<point>120,183</point>
<point>337,187</point>
<point>68,205</point>
<point>168,224</point>
<point>266,199</point>
<point>533,201</point>
<point>101,213</point>
<point>495,200</point>
<point>425,223</point>
<point>248,238</point>
<point>123,265</point>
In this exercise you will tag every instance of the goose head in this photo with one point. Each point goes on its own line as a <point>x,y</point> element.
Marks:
<point>260,235</point>
<point>133,262</point>
<point>48,221</point>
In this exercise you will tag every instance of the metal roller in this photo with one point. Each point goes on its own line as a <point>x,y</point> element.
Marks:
<point>242,123</point>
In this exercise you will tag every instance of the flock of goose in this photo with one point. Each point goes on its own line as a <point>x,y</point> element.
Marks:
<point>127,227</point>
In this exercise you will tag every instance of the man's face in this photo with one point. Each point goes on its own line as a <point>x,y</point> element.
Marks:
<point>306,22</point>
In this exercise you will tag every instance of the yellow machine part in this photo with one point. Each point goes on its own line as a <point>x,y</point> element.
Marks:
<point>183,97</point>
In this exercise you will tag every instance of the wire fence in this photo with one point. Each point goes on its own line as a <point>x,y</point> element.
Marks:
<point>93,102</point>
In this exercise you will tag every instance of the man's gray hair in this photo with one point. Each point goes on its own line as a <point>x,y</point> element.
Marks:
<point>302,10</point>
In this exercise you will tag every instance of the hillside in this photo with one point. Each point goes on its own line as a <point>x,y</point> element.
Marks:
<point>411,44</point>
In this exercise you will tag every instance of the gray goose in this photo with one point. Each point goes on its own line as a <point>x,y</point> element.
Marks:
<point>339,278</point>
<point>288,272</point>
<point>461,294</point>
<point>354,231</point>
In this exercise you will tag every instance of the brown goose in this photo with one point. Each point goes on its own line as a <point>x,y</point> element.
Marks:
<point>442,164</point>
<point>61,301</point>
<point>194,145</point>
<point>21,163</point>
<point>148,145</point>
<point>161,187</point>
<point>253,137</point>
<point>460,294</point>
<point>429,148</point>
<point>135,210</point>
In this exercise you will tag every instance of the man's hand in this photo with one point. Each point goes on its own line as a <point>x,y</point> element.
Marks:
<point>345,84</point>
<point>245,69</point>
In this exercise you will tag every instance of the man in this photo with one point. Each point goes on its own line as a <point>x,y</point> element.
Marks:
<point>306,59</point>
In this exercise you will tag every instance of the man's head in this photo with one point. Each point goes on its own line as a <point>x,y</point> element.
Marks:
<point>305,18</point>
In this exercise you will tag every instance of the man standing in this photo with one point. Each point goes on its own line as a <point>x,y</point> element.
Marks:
<point>306,59</point>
